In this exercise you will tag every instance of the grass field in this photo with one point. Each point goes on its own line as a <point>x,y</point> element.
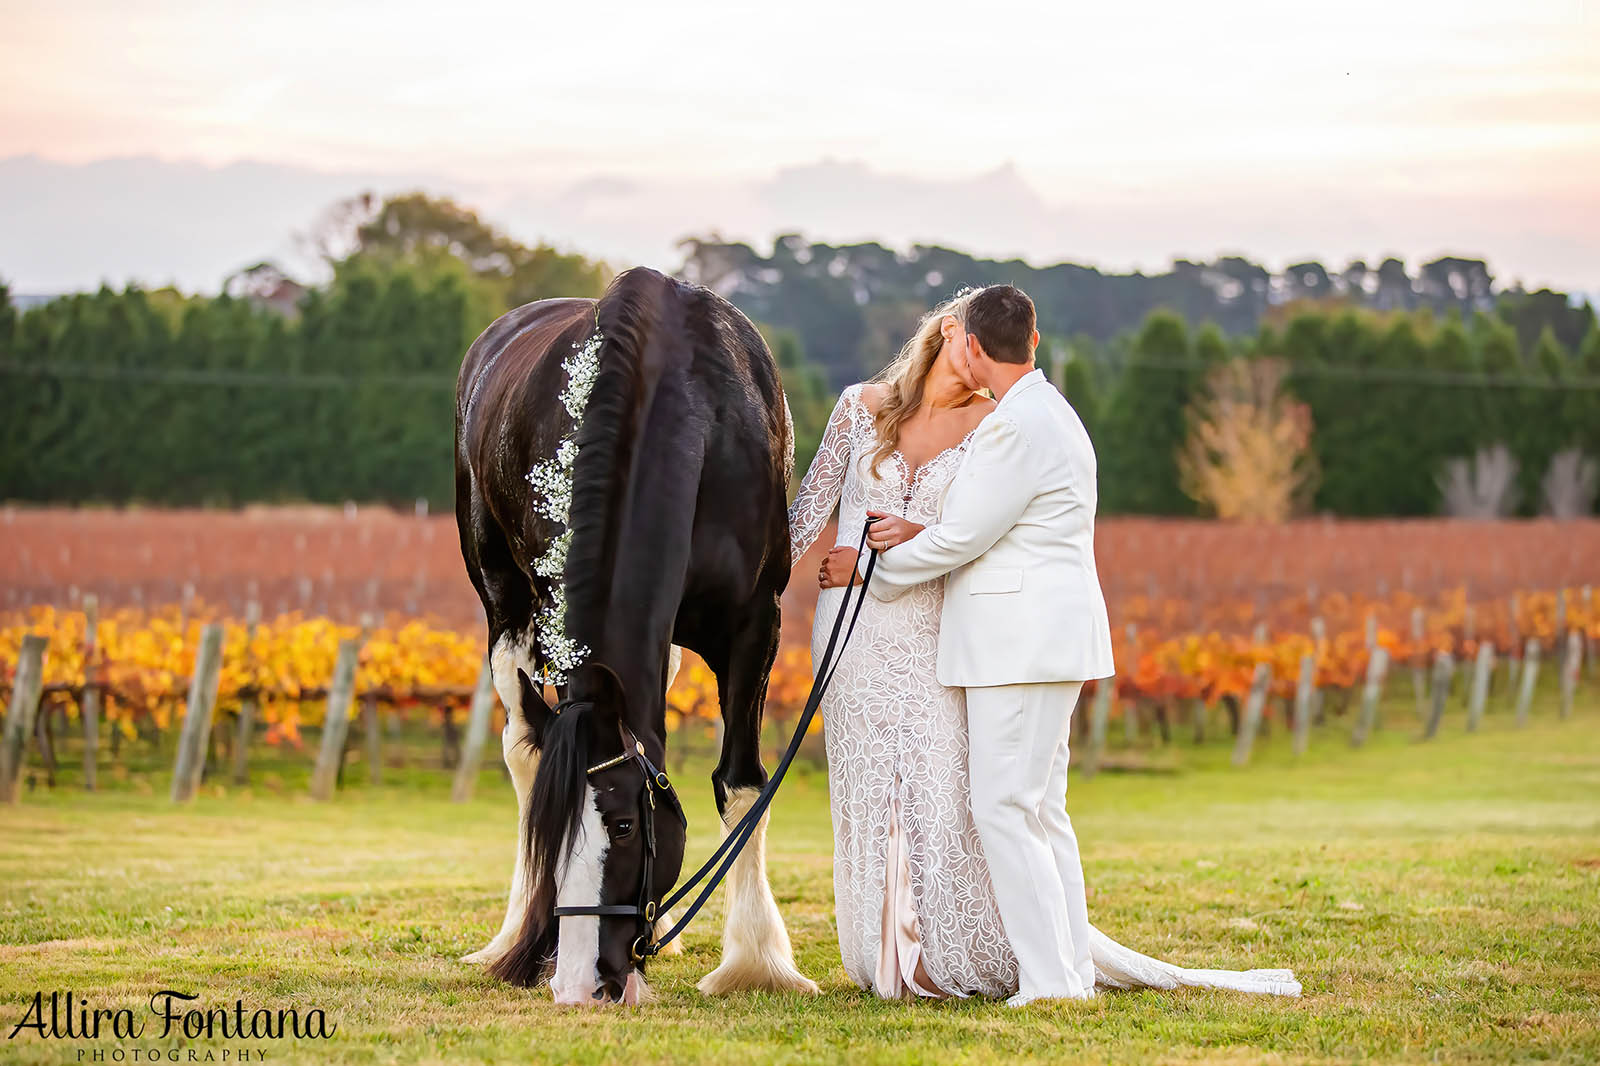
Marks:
<point>1440,902</point>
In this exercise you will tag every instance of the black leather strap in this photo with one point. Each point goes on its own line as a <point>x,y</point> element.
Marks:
<point>609,910</point>
<point>721,860</point>
<point>740,834</point>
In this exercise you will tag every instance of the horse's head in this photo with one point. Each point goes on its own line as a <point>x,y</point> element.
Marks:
<point>608,838</point>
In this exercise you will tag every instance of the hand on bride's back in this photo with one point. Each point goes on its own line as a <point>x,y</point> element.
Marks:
<point>889,530</point>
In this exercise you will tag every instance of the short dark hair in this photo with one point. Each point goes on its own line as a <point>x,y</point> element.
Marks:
<point>1002,318</point>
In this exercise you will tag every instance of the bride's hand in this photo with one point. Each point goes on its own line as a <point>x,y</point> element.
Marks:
<point>889,530</point>
<point>838,569</point>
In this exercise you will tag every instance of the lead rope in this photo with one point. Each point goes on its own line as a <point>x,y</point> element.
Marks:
<point>740,833</point>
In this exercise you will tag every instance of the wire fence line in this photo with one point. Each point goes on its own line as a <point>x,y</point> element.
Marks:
<point>93,372</point>
<point>223,377</point>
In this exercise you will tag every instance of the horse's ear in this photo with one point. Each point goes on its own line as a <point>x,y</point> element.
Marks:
<point>535,711</point>
<point>602,685</point>
<point>611,692</point>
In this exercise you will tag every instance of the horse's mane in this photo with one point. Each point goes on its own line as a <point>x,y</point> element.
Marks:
<point>626,317</point>
<point>555,809</point>
<point>554,815</point>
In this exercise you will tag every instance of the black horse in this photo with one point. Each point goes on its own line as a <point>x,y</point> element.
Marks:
<point>660,523</point>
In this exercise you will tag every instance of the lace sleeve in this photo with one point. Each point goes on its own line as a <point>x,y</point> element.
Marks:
<point>823,483</point>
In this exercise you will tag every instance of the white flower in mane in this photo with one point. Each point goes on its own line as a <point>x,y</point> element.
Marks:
<point>552,498</point>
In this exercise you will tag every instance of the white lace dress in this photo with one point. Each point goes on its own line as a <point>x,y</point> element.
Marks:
<point>897,744</point>
<point>910,881</point>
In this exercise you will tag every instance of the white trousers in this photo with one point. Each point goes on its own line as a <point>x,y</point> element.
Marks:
<point>1018,737</point>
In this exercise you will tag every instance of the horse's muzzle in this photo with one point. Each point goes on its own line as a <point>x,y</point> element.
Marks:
<point>634,992</point>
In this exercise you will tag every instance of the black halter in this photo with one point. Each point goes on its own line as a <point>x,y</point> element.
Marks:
<point>655,781</point>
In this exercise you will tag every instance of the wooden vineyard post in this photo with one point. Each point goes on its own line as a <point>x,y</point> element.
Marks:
<point>1588,642</point>
<point>247,707</point>
<point>1513,661</point>
<point>1319,637</point>
<point>196,735</point>
<point>477,734</point>
<point>1377,666</point>
<point>26,687</point>
<point>1419,675</point>
<point>1302,703</point>
<point>1099,716</point>
<point>1130,708</point>
<point>1444,669</point>
<point>1197,715</point>
<point>1480,685</point>
<point>1530,677</point>
<point>369,706</point>
<point>1253,707</point>
<point>1469,633</point>
<point>336,721</point>
<point>90,707</point>
<point>374,739</point>
<point>1569,671</point>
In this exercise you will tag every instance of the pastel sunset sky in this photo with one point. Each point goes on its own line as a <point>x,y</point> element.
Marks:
<point>1120,135</point>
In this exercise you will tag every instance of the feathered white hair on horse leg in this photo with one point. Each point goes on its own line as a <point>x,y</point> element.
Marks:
<point>755,945</point>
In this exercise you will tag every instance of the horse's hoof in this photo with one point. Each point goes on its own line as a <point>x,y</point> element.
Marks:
<point>734,976</point>
<point>485,955</point>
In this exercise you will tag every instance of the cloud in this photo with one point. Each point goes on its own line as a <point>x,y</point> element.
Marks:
<point>68,226</point>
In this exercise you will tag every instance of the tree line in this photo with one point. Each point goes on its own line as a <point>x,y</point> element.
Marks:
<point>275,391</point>
<point>1393,397</point>
<point>852,305</point>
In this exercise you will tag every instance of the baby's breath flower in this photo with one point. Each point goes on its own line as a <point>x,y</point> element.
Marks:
<point>552,498</point>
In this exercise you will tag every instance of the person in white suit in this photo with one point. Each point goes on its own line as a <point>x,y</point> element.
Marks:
<point>1023,627</point>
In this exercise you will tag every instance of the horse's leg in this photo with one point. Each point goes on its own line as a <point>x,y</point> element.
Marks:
<point>511,652</point>
<point>508,603</point>
<point>755,944</point>
<point>667,919</point>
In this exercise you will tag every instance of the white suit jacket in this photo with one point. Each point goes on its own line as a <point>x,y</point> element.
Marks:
<point>1022,604</point>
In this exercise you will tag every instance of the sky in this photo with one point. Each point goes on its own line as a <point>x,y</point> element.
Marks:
<point>1119,135</point>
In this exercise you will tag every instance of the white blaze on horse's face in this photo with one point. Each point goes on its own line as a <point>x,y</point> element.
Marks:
<point>578,885</point>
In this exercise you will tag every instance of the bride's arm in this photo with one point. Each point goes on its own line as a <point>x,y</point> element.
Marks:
<point>988,495</point>
<point>824,482</point>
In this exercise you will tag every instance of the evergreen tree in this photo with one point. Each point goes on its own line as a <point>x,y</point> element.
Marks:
<point>807,392</point>
<point>1210,346</point>
<point>1581,406</point>
<point>1398,475</point>
<point>1144,423</point>
<point>1077,385</point>
<point>1544,431</point>
<point>1446,421</point>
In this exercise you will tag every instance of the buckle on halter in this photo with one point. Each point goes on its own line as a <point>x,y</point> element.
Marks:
<point>640,950</point>
<point>650,910</point>
<point>661,780</point>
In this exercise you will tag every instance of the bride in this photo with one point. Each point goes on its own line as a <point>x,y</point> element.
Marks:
<point>914,903</point>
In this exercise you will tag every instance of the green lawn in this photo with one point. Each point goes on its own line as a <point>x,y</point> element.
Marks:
<point>1440,902</point>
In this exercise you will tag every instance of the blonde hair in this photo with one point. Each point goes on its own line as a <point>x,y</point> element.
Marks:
<point>908,373</point>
